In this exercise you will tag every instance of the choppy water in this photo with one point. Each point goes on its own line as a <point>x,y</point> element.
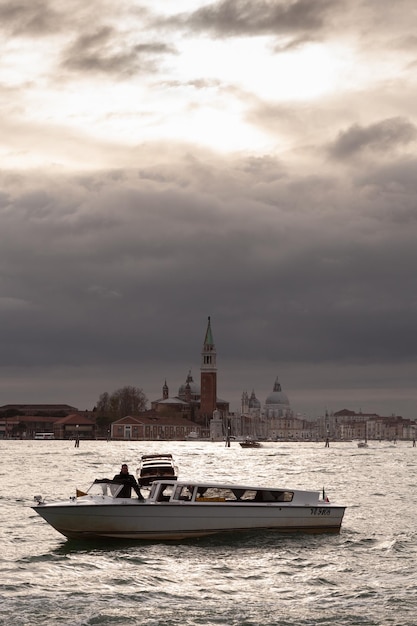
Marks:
<point>364,576</point>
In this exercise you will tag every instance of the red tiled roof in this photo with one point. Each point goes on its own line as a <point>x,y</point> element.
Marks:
<point>155,418</point>
<point>75,418</point>
<point>38,407</point>
<point>47,419</point>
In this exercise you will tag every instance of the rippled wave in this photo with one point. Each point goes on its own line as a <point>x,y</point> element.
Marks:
<point>364,576</point>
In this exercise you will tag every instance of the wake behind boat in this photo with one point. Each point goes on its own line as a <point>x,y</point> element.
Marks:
<point>179,510</point>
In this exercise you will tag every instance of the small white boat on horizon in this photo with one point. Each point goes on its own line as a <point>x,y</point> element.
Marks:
<point>178,510</point>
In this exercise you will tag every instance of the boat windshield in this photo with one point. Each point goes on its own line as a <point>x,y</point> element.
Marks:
<point>104,487</point>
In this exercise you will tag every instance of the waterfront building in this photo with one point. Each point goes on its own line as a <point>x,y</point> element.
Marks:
<point>22,421</point>
<point>41,410</point>
<point>346,425</point>
<point>151,425</point>
<point>274,420</point>
<point>391,428</point>
<point>75,426</point>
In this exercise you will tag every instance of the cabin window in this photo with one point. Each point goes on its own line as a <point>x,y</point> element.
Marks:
<point>277,496</point>
<point>250,495</point>
<point>184,492</point>
<point>214,494</point>
<point>246,495</point>
<point>165,492</point>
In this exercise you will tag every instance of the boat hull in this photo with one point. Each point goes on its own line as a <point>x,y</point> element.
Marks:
<point>181,520</point>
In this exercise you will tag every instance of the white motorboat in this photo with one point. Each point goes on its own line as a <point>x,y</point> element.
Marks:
<point>178,510</point>
<point>156,466</point>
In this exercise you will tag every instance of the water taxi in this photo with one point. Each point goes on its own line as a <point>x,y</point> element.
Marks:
<point>155,466</point>
<point>176,510</point>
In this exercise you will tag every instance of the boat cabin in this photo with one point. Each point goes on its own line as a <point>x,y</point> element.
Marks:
<point>164,491</point>
<point>173,492</point>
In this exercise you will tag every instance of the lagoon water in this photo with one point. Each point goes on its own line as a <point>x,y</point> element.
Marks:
<point>366,575</point>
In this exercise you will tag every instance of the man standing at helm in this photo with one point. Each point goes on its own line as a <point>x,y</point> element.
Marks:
<point>128,481</point>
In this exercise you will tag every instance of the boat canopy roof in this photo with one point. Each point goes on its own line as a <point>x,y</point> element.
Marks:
<point>169,490</point>
<point>189,491</point>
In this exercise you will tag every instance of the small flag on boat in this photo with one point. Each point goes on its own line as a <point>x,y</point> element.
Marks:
<point>80,493</point>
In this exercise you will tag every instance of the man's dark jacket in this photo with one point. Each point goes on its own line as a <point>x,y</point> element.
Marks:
<point>129,482</point>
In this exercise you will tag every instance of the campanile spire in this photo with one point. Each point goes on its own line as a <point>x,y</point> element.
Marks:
<point>208,401</point>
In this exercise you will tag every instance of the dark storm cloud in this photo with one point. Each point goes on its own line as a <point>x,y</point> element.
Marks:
<point>398,177</point>
<point>29,18</point>
<point>43,18</point>
<point>104,51</point>
<point>119,270</point>
<point>87,43</point>
<point>242,17</point>
<point>383,136</point>
<point>305,262</point>
<point>103,268</point>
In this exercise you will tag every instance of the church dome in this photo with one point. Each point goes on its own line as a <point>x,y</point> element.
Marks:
<point>277,396</point>
<point>194,388</point>
<point>254,402</point>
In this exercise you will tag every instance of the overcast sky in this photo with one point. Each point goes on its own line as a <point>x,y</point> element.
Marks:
<point>252,161</point>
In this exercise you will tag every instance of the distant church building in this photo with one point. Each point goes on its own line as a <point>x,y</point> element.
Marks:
<point>267,420</point>
<point>277,403</point>
<point>197,402</point>
<point>250,404</point>
<point>189,391</point>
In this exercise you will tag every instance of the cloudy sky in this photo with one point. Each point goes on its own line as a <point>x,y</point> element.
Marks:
<point>252,161</point>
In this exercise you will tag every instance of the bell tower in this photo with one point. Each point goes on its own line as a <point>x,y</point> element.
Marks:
<point>165,391</point>
<point>208,399</point>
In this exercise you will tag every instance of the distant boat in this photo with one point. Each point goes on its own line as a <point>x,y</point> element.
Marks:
<point>362,444</point>
<point>44,436</point>
<point>250,443</point>
<point>154,467</point>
